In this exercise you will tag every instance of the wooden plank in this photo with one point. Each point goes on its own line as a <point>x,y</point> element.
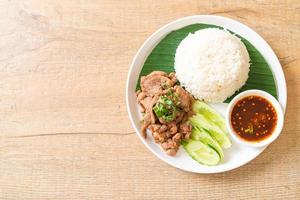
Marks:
<point>64,128</point>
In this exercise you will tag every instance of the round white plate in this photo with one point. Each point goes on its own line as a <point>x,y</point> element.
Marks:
<point>235,156</point>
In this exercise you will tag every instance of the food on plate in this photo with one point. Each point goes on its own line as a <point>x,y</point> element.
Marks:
<point>166,107</point>
<point>253,118</point>
<point>209,135</point>
<point>212,64</point>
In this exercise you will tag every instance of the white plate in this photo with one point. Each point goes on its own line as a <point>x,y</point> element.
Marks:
<point>237,155</point>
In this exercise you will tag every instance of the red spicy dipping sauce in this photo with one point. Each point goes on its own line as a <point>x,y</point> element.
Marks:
<point>253,118</point>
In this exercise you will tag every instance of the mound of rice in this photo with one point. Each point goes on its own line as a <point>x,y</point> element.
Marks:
<point>212,64</point>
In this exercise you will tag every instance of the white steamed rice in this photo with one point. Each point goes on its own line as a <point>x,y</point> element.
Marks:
<point>212,64</point>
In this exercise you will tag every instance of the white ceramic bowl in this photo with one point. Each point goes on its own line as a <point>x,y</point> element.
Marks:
<point>238,154</point>
<point>278,110</point>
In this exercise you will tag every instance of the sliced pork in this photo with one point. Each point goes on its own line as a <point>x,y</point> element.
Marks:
<point>166,107</point>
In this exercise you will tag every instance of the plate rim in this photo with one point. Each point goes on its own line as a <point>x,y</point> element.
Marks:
<point>277,67</point>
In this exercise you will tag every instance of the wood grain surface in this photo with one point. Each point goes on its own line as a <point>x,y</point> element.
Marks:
<point>64,130</point>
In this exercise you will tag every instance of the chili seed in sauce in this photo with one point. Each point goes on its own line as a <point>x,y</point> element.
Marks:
<point>258,123</point>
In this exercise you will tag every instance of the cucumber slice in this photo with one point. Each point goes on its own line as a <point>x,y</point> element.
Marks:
<point>201,122</point>
<point>201,153</point>
<point>210,113</point>
<point>204,137</point>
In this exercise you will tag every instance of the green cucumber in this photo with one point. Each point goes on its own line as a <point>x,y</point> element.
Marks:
<point>200,152</point>
<point>201,122</point>
<point>210,113</point>
<point>204,137</point>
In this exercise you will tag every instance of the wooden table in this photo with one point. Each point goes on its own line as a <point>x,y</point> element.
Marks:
<point>65,133</point>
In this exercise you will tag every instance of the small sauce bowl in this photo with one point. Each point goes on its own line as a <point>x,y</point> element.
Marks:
<point>263,141</point>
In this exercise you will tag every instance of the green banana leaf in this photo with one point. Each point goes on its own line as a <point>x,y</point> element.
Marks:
<point>162,58</point>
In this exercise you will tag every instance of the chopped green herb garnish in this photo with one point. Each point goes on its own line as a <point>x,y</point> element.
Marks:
<point>165,86</point>
<point>167,106</point>
<point>249,129</point>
